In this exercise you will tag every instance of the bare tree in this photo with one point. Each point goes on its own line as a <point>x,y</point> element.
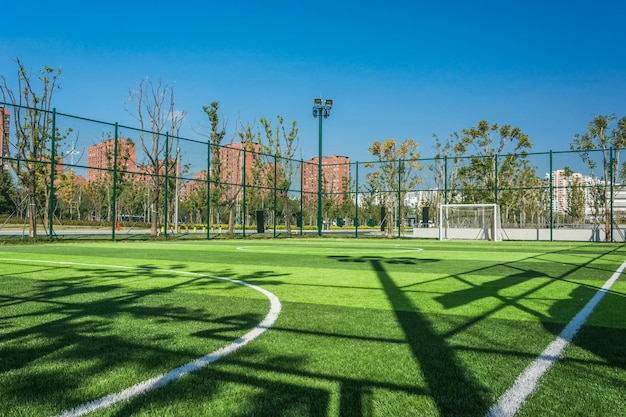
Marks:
<point>32,162</point>
<point>158,118</point>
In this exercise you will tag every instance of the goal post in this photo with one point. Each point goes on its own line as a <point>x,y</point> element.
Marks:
<point>470,221</point>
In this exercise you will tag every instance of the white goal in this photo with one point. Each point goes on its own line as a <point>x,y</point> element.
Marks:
<point>470,221</point>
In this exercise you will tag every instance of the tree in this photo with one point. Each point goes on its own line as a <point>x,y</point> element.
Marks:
<point>69,191</point>
<point>497,170</point>
<point>575,197</point>
<point>395,170</point>
<point>8,193</point>
<point>32,162</point>
<point>489,142</point>
<point>607,135</point>
<point>216,134</point>
<point>283,145</point>
<point>160,122</point>
<point>445,174</point>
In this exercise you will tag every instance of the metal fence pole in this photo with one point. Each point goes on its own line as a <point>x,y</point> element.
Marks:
<point>612,178</point>
<point>399,214</point>
<point>445,181</point>
<point>167,168</point>
<point>52,169</point>
<point>114,193</point>
<point>495,179</point>
<point>275,189</point>
<point>356,202</point>
<point>208,191</point>
<point>243,206</point>
<point>551,199</point>
<point>301,215</point>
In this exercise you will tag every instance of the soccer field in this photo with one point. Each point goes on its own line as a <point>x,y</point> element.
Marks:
<point>310,327</point>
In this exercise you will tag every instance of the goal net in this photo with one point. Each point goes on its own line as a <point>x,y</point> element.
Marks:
<point>470,221</point>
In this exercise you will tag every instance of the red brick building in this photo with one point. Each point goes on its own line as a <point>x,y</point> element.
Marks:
<point>232,161</point>
<point>335,176</point>
<point>100,158</point>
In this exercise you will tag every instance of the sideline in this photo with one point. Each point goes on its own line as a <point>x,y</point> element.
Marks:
<point>332,250</point>
<point>177,373</point>
<point>513,400</point>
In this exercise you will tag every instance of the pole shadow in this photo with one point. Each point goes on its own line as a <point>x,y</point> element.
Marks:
<point>454,391</point>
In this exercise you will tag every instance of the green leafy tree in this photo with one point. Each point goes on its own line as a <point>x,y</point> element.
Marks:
<point>497,169</point>
<point>487,144</point>
<point>607,135</point>
<point>394,174</point>
<point>8,193</point>
<point>225,191</point>
<point>69,192</point>
<point>575,197</point>
<point>282,143</point>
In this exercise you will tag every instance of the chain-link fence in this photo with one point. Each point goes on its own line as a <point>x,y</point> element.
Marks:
<point>83,178</point>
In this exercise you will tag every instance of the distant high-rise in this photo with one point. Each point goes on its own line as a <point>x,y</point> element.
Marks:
<point>5,117</point>
<point>561,183</point>
<point>232,161</point>
<point>100,158</point>
<point>335,177</point>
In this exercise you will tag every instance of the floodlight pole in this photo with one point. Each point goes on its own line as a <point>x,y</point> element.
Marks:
<point>321,109</point>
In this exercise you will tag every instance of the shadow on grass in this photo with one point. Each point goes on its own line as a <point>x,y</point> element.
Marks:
<point>604,336</point>
<point>60,337</point>
<point>488,289</point>
<point>259,397</point>
<point>452,388</point>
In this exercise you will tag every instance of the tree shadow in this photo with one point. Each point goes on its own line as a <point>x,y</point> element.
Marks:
<point>59,334</point>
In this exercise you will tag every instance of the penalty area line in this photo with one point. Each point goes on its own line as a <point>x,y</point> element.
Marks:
<point>177,373</point>
<point>513,400</point>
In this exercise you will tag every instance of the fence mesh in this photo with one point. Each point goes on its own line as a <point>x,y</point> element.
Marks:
<point>88,178</point>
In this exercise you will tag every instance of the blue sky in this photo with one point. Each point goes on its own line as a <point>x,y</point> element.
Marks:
<point>395,69</point>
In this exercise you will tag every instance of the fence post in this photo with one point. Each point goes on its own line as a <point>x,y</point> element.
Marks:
<point>275,188</point>
<point>611,176</point>
<point>495,179</point>
<point>167,168</point>
<point>301,215</point>
<point>243,206</point>
<point>52,169</point>
<point>445,180</point>
<point>208,191</point>
<point>356,202</point>
<point>114,193</point>
<point>399,215</point>
<point>551,199</point>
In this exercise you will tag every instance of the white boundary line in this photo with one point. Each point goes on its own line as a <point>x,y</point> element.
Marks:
<point>174,374</point>
<point>513,400</point>
<point>331,250</point>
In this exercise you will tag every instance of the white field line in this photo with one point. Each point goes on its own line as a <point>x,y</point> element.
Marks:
<point>261,249</point>
<point>525,384</point>
<point>174,374</point>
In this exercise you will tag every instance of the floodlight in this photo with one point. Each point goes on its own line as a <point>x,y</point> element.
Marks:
<point>321,110</point>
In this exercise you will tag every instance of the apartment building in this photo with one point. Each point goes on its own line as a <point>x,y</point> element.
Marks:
<point>335,176</point>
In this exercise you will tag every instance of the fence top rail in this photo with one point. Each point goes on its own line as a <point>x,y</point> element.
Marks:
<point>373,162</point>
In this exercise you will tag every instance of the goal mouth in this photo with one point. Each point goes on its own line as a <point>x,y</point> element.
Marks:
<point>470,222</point>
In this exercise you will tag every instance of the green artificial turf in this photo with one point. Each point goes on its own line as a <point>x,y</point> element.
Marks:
<point>367,327</point>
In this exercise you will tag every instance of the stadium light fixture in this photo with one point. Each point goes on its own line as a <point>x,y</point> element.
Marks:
<point>321,110</point>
